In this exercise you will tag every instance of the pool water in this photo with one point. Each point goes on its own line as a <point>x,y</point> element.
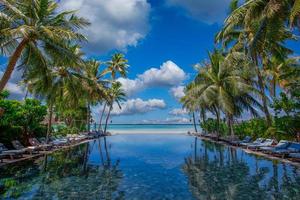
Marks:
<point>150,167</point>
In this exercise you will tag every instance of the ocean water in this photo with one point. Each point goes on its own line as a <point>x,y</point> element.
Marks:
<point>150,167</point>
<point>150,128</point>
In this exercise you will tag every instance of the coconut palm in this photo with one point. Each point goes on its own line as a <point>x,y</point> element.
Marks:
<point>96,86</point>
<point>62,81</point>
<point>116,95</point>
<point>33,28</point>
<point>117,65</point>
<point>225,85</point>
<point>259,29</point>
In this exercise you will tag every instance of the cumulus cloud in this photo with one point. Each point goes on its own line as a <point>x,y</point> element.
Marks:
<point>115,24</point>
<point>138,106</point>
<point>169,74</point>
<point>208,11</point>
<point>15,90</point>
<point>178,111</point>
<point>177,92</point>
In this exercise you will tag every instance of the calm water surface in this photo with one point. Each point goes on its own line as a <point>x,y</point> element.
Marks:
<point>150,167</point>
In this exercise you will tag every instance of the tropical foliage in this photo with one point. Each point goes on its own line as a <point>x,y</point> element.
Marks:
<point>45,42</point>
<point>254,71</point>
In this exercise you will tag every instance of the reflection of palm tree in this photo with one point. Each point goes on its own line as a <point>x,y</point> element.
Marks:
<point>61,176</point>
<point>221,178</point>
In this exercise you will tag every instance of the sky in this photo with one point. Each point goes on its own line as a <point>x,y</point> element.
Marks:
<point>162,40</point>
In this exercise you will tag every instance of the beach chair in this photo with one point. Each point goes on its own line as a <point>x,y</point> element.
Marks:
<point>283,144</point>
<point>247,139</point>
<point>295,156</point>
<point>257,141</point>
<point>10,153</point>
<point>266,143</point>
<point>293,147</point>
<point>30,149</point>
<point>34,142</point>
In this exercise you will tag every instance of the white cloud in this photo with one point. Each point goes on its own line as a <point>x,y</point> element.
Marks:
<point>178,111</point>
<point>177,92</point>
<point>138,106</point>
<point>169,74</point>
<point>208,11</point>
<point>115,24</point>
<point>16,91</point>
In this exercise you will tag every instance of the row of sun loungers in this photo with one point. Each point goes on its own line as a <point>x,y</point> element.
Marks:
<point>40,144</point>
<point>283,149</point>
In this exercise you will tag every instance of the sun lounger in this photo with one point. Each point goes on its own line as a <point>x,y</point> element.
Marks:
<point>10,153</point>
<point>257,141</point>
<point>247,139</point>
<point>30,149</point>
<point>295,156</point>
<point>266,143</point>
<point>293,147</point>
<point>36,143</point>
<point>283,144</point>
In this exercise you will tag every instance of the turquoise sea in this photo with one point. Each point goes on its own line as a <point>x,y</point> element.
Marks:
<point>150,128</point>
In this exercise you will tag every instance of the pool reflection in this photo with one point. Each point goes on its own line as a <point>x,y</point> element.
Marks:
<point>219,172</point>
<point>64,175</point>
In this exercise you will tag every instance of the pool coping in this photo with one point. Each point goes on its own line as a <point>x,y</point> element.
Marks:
<point>42,153</point>
<point>249,151</point>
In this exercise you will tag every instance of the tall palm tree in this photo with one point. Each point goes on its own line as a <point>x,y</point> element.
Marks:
<point>259,29</point>
<point>32,28</point>
<point>225,85</point>
<point>116,95</point>
<point>117,64</point>
<point>96,86</point>
<point>62,81</point>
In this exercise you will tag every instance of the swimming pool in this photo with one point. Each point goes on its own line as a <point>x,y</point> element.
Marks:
<point>150,167</point>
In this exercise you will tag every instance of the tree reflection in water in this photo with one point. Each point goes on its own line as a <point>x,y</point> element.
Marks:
<point>65,175</point>
<point>219,172</point>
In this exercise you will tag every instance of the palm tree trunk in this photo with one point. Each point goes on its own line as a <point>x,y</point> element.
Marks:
<point>88,118</point>
<point>12,63</point>
<point>107,118</point>
<point>49,122</point>
<point>101,117</point>
<point>230,125</point>
<point>203,117</point>
<point>194,121</point>
<point>262,92</point>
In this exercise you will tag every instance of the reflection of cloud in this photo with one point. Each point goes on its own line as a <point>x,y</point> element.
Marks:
<point>137,106</point>
<point>164,150</point>
<point>169,74</point>
<point>207,11</point>
<point>115,24</point>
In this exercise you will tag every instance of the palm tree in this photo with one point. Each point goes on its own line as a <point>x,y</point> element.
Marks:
<point>117,64</point>
<point>62,81</point>
<point>116,95</point>
<point>190,102</point>
<point>259,29</point>
<point>95,87</point>
<point>225,85</point>
<point>33,28</point>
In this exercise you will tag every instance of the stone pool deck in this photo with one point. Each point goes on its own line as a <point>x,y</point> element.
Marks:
<point>42,153</point>
<point>257,153</point>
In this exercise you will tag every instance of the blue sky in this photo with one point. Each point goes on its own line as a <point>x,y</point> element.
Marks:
<point>162,39</point>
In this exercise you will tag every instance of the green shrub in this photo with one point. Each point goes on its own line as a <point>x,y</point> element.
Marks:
<point>211,126</point>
